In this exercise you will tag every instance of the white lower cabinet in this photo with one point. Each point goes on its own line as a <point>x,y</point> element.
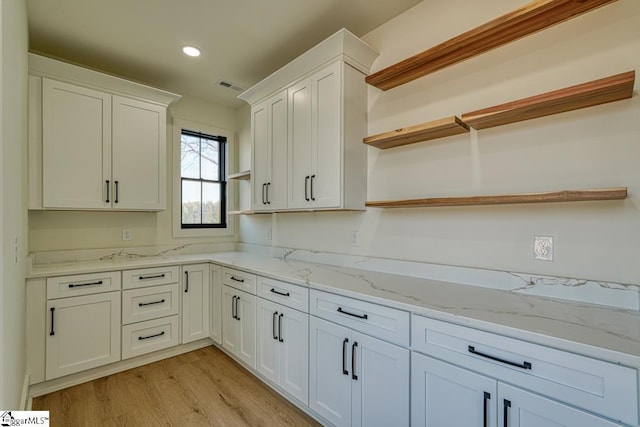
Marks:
<point>195,302</point>
<point>83,333</point>
<point>239,324</point>
<point>215,303</point>
<point>283,347</point>
<point>355,379</point>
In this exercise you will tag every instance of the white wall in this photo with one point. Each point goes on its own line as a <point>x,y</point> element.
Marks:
<point>590,148</point>
<point>57,230</point>
<point>13,143</point>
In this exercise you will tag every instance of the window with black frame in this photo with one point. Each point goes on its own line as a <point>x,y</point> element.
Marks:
<point>203,180</point>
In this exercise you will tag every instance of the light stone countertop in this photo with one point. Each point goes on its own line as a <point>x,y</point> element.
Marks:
<point>598,331</point>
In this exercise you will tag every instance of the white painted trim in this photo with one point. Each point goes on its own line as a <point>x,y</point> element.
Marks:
<point>102,371</point>
<point>178,125</point>
<point>25,400</point>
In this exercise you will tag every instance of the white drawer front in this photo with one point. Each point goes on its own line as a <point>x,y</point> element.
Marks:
<point>149,303</point>
<point>239,280</point>
<point>82,284</point>
<point>152,335</point>
<point>293,296</point>
<point>383,322</point>
<point>601,387</point>
<point>144,277</point>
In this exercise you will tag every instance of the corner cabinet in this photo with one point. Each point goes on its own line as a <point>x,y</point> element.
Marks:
<point>89,146</point>
<point>307,124</point>
<point>195,302</point>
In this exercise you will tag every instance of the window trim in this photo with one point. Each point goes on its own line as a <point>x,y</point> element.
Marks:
<point>178,231</point>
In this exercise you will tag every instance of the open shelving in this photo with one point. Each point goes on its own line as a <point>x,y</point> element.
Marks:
<point>615,193</point>
<point>244,175</point>
<point>423,132</point>
<point>530,18</point>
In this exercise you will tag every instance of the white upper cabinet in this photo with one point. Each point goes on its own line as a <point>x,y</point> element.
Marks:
<point>323,164</point>
<point>269,139</point>
<point>89,146</point>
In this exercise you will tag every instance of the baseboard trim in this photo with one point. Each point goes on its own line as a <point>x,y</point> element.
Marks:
<point>82,377</point>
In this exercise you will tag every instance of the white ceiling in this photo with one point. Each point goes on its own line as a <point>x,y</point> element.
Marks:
<point>242,41</point>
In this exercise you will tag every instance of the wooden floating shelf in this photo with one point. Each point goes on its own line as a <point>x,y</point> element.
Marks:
<point>596,92</point>
<point>530,18</point>
<point>423,132</point>
<point>616,193</point>
<point>241,175</point>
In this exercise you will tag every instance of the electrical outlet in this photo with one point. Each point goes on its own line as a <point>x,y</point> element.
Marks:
<point>127,234</point>
<point>355,239</point>
<point>15,250</point>
<point>543,248</point>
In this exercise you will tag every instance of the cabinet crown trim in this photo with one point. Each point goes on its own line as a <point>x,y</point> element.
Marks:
<point>341,45</point>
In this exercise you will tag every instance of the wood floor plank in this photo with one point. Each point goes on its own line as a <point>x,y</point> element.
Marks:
<point>200,388</point>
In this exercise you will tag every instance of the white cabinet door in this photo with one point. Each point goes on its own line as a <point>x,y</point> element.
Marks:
<point>300,146</point>
<point>82,333</point>
<point>195,302</point>
<point>215,304</point>
<point>380,386</point>
<point>293,340</point>
<point>445,395</point>
<point>139,154</point>
<point>326,140</point>
<point>519,408</point>
<point>239,324</point>
<point>76,151</point>
<point>268,350</point>
<point>329,371</point>
<point>269,136</point>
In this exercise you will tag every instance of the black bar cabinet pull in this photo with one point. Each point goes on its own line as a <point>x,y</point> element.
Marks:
<point>233,306</point>
<point>506,404</point>
<point>157,276</point>
<point>523,365</point>
<point>234,278</point>
<point>264,186</point>
<point>151,336</point>
<point>284,294</point>
<point>79,285</point>
<point>142,304</point>
<point>186,281</point>
<point>359,316</point>
<point>273,325</point>
<point>237,314</point>
<point>280,327</point>
<point>487,397</point>
<point>52,332</point>
<point>268,198</point>
<point>344,356</point>
<point>312,178</point>
<point>117,191</point>
<point>353,361</point>
<point>306,185</point>
<point>107,201</point>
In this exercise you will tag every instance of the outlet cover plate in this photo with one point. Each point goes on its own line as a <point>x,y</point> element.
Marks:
<point>543,248</point>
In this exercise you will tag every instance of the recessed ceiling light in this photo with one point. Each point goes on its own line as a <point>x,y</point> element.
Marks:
<point>191,50</point>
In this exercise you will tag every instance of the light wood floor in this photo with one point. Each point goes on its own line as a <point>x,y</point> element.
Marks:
<point>201,388</point>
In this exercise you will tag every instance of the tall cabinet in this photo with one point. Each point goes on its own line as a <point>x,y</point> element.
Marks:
<point>317,104</point>
<point>92,147</point>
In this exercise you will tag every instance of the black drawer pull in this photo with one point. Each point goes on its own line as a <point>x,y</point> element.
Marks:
<point>273,324</point>
<point>233,307</point>
<point>85,284</point>
<point>151,336</point>
<point>157,276</point>
<point>523,365</point>
<point>487,397</point>
<point>186,281</point>
<point>284,294</point>
<point>344,356</point>
<point>280,327</point>
<point>353,361</point>
<point>142,304</point>
<point>359,316</point>
<point>506,404</point>
<point>234,278</point>
<point>52,309</point>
